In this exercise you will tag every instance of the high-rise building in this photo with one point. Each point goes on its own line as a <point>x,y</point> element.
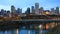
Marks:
<point>2,11</point>
<point>28,11</point>
<point>12,9</point>
<point>41,11</point>
<point>32,10</point>
<point>36,8</point>
<point>19,11</point>
<point>8,12</point>
<point>57,10</point>
<point>52,11</point>
<point>0,14</point>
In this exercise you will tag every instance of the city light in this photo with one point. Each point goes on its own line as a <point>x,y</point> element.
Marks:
<point>53,24</point>
<point>47,26</point>
<point>35,10</point>
<point>40,26</point>
<point>47,13</point>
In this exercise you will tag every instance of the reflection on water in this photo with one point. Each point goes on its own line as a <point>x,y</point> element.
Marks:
<point>20,32</point>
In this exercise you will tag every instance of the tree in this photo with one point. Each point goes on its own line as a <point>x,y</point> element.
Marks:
<point>55,30</point>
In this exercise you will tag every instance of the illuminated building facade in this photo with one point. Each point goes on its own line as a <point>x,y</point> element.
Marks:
<point>32,10</point>
<point>28,11</point>
<point>47,12</point>
<point>57,10</point>
<point>41,11</point>
<point>36,8</point>
<point>19,11</point>
<point>13,11</point>
<point>52,11</point>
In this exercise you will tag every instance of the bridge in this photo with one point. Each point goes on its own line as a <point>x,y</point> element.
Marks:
<point>29,22</point>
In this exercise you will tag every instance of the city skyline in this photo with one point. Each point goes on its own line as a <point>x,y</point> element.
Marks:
<point>5,4</point>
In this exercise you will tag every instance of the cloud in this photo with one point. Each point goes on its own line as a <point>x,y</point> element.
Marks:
<point>4,7</point>
<point>25,8</point>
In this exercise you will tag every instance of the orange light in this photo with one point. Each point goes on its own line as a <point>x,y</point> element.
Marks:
<point>47,12</point>
<point>47,26</point>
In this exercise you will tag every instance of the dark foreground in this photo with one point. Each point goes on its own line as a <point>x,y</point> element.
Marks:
<point>55,30</point>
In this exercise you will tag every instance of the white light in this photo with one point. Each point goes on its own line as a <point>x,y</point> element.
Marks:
<point>28,31</point>
<point>5,32</point>
<point>16,31</point>
<point>40,26</point>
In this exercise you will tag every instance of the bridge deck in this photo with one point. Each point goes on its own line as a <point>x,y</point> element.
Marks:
<point>35,20</point>
<point>20,23</point>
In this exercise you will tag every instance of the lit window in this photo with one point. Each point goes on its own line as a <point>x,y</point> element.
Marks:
<point>47,12</point>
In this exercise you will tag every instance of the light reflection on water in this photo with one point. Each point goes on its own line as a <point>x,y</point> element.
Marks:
<point>20,32</point>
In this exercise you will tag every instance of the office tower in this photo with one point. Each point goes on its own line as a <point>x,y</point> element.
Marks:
<point>19,11</point>
<point>8,12</point>
<point>5,13</point>
<point>32,10</point>
<point>28,11</point>
<point>57,10</point>
<point>36,8</point>
<point>56,13</point>
<point>52,11</point>
<point>41,11</point>
<point>2,11</point>
<point>13,9</point>
<point>0,14</point>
